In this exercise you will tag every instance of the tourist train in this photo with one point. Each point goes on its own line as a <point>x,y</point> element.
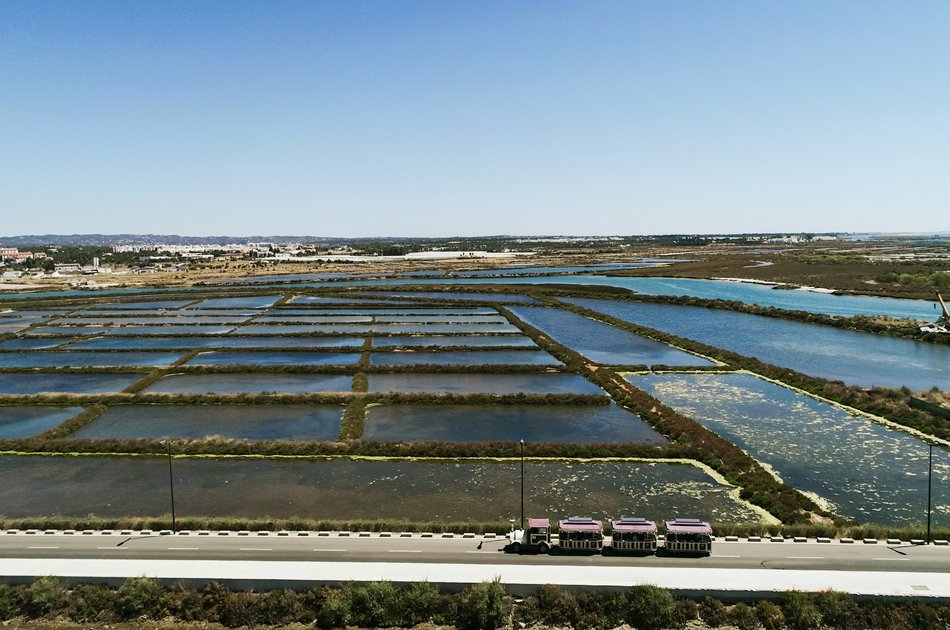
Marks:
<point>628,536</point>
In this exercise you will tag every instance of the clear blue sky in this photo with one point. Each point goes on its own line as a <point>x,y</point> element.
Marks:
<point>448,118</point>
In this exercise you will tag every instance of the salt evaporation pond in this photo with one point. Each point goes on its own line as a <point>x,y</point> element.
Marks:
<point>475,329</point>
<point>156,305</point>
<point>241,422</point>
<point>854,357</point>
<point>281,317</point>
<point>258,301</point>
<point>563,424</point>
<point>32,343</point>
<point>190,343</point>
<point>23,422</point>
<point>514,341</point>
<point>477,357</point>
<point>448,296</point>
<point>442,319</point>
<point>275,358</point>
<point>161,331</point>
<point>516,383</point>
<point>307,329</point>
<point>45,383</point>
<point>344,489</point>
<point>86,359</point>
<point>169,320</point>
<point>603,343</point>
<point>251,383</point>
<point>64,331</point>
<point>868,472</point>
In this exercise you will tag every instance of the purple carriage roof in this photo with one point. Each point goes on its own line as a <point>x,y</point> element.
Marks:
<point>629,524</point>
<point>580,524</point>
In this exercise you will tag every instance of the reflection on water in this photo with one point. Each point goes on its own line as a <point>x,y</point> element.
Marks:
<point>478,357</point>
<point>250,383</point>
<point>602,342</point>
<point>518,341</point>
<point>342,489</point>
<point>853,357</point>
<point>87,359</point>
<point>483,383</point>
<point>566,424</point>
<point>24,422</point>
<point>870,473</point>
<point>247,422</point>
<point>26,384</point>
<point>275,358</point>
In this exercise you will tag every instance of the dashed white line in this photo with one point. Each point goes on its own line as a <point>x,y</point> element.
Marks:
<point>42,547</point>
<point>405,551</point>
<point>114,548</point>
<point>255,549</point>
<point>892,559</point>
<point>722,556</point>
<point>183,548</point>
<point>330,550</point>
<point>804,557</point>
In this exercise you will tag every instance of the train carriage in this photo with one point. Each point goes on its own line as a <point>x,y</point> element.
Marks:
<point>688,536</point>
<point>633,535</point>
<point>580,533</point>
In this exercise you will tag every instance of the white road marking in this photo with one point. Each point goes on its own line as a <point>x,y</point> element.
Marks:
<point>405,551</point>
<point>255,549</point>
<point>722,556</point>
<point>892,559</point>
<point>805,557</point>
<point>114,548</point>
<point>183,548</point>
<point>328,550</point>
<point>42,547</point>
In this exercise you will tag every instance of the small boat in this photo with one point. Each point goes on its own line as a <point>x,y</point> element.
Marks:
<point>942,325</point>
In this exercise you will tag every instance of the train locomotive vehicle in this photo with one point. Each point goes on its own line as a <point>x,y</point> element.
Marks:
<point>634,536</point>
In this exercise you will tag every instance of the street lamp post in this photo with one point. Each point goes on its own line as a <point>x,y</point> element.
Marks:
<point>171,481</point>
<point>522,484</point>
<point>930,475</point>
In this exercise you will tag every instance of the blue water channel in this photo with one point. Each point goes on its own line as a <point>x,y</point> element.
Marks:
<point>853,357</point>
<point>868,472</point>
<point>23,422</point>
<point>603,343</point>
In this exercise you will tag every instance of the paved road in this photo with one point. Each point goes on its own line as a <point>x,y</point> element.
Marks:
<point>810,555</point>
<point>750,570</point>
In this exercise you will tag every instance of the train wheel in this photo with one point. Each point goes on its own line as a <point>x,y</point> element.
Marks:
<point>543,548</point>
<point>515,548</point>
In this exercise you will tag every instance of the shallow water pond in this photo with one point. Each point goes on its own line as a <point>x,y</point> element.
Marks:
<point>168,320</point>
<point>554,383</point>
<point>869,472</point>
<point>275,358</point>
<point>343,489</point>
<point>161,331</point>
<point>33,343</point>
<point>476,357</point>
<point>854,357</point>
<point>257,301</point>
<point>190,343</point>
<point>476,329</point>
<point>603,343</point>
<point>282,317</point>
<point>87,359</point>
<point>565,424</point>
<point>251,383</point>
<point>303,329</point>
<point>243,422</point>
<point>461,297</point>
<point>154,306</point>
<point>442,319</point>
<point>514,341</point>
<point>23,422</point>
<point>40,383</point>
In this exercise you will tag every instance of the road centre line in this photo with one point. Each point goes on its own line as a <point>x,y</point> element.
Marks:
<point>329,550</point>
<point>183,548</point>
<point>405,551</point>
<point>804,557</point>
<point>255,549</point>
<point>43,547</point>
<point>892,559</point>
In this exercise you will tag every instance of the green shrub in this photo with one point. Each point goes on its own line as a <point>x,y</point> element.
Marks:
<point>418,603</point>
<point>11,599</point>
<point>276,607</point>
<point>91,602</point>
<point>743,617</point>
<point>373,604</point>
<point>557,606</point>
<point>770,615</point>
<point>483,606</point>
<point>186,604</point>
<point>800,610</point>
<point>713,612</point>
<point>651,608</point>
<point>141,597</point>
<point>837,609</point>
<point>46,597</point>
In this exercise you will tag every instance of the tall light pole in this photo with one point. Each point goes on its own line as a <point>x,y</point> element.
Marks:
<point>522,484</point>
<point>930,476</point>
<point>171,481</point>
